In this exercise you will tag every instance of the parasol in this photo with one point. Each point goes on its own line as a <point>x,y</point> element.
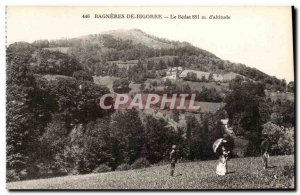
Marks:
<point>218,143</point>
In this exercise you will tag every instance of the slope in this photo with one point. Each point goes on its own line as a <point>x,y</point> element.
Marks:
<point>244,173</point>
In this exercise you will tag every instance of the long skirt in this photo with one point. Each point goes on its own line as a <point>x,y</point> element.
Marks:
<point>221,168</point>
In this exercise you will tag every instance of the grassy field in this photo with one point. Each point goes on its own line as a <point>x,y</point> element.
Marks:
<point>60,49</point>
<point>283,96</point>
<point>107,81</point>
<point>198,85</point>
<point>244,173</point>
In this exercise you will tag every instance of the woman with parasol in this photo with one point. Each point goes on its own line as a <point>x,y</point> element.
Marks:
<point>219,149</point>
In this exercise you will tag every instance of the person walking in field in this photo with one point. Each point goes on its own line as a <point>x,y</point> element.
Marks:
<point>173,159</point>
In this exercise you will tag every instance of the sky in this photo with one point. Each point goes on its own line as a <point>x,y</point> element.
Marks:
<point>259,37</point>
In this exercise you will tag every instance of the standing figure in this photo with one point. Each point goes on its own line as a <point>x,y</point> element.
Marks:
<point>222,166</point>
<point>173,159</point>
<point>264,147</point>
<point>265,158</point>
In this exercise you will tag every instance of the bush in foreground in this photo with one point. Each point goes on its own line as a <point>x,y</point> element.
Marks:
<point>123,167</point>
<point>12,175</point>
<point>102,169</point>
<point>140,163</point>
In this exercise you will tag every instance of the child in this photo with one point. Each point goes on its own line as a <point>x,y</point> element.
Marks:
<point>265,157</point>
<point>173,159</point>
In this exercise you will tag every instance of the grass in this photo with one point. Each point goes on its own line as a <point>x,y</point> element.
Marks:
<point>107,81</point>
<point>244,173</point>
<point>60,49</point>
<point>283,96</point>
<point>198,85</point>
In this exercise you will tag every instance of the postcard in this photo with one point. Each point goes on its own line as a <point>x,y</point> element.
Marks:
<point>150,98</point>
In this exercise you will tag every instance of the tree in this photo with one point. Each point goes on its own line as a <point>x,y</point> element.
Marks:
<point>161,65</point>
<point>203,79</point>
<point>54,62</point>
<point>82,76</point>
<point>160,138</point>
<point>77,100</point>
<point>286,142</point>
<point>97,144</point>
<point>176,115</point>
<point>291,87</point>
<point>283,113</point>
<point>21,135</point>
<point>21,49</point>
<point>121,85</point>
<point>210,95</point>
<point>193,136</point>
<point>168,83</point>
<point>186,88</point>
<point>41,43</point>
<point>281,140</point>
<point>210,77</point>
<point>128,137</point>
<point>242,106</point>
<point>142,87</point>
<point>191,76</point>
<point>52,143</point>
<point>176,62</point>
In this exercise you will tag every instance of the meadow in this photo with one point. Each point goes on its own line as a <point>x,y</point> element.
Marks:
<point>243,173</point>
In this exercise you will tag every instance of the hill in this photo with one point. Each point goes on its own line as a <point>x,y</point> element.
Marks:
<point>137,36</point>
<point>244,173</point>
<point>126,47</point>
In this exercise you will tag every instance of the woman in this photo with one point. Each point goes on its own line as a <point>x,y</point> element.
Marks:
<point>265,158</point>
<point>222,166</point>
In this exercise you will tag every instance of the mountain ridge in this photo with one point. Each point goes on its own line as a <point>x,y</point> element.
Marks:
<point>137,36</point>
<point>94,51</point>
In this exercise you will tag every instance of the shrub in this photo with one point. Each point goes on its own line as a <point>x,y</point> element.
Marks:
<point>288,171</point>
<point>121,85</point>
<point>123,167</point>
<point>140,163</point>
<point>12,175</point>
<point>102,169</point>
<point>82,76</point>
<point>74,172</point>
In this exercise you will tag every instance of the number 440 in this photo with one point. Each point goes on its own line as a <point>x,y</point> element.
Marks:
<point>86,16</point>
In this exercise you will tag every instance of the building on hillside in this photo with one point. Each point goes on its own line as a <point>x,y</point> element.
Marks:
<point>170,77</point>
<point>173,73</point>
<point>174,70</point>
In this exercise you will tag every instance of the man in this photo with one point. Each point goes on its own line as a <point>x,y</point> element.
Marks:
<point>173,159</point>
